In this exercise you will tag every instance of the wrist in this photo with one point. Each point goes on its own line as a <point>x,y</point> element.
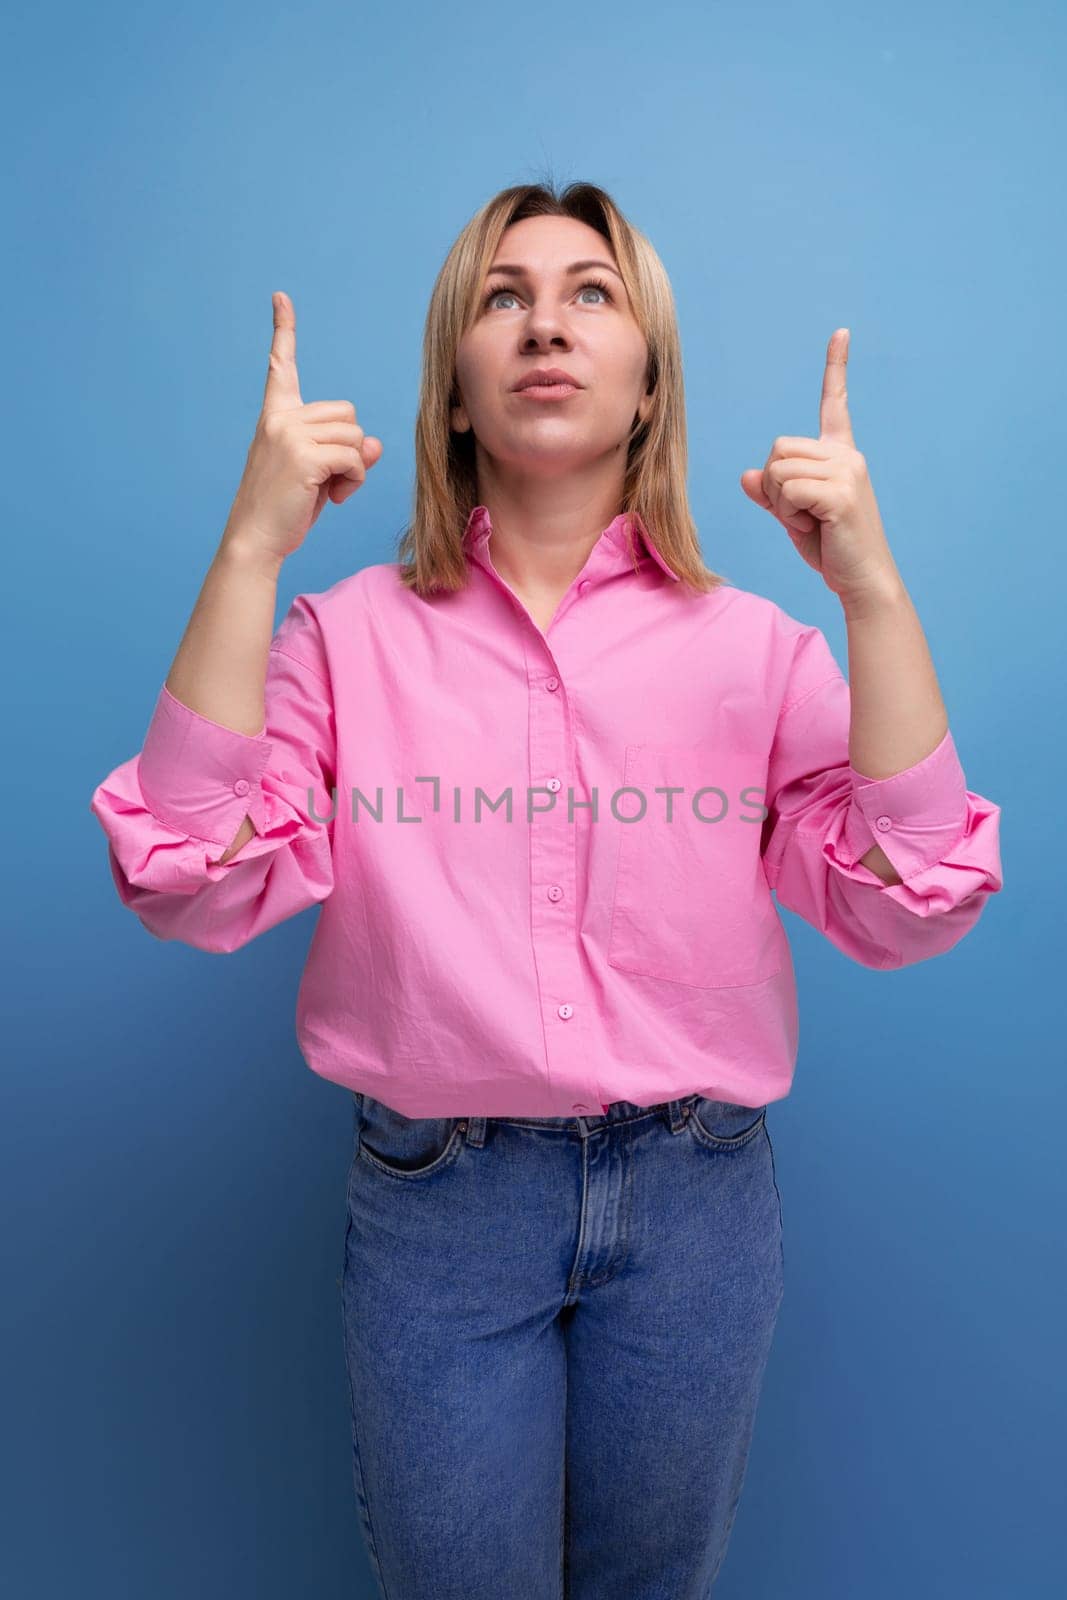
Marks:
<point>242,549</point>
<point>884,596</point>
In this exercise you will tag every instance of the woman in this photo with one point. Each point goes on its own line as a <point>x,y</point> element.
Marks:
<point>562,1024</point>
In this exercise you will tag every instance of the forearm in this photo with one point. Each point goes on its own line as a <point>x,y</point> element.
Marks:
<point>220,669</point>
<point>897,713</point>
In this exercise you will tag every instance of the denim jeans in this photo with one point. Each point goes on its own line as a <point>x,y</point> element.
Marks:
<point>556,1330</point>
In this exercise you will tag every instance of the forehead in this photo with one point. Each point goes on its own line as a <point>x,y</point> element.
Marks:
<point>547,243</point>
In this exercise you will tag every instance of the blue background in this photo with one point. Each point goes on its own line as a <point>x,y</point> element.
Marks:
<point>175,1414</point>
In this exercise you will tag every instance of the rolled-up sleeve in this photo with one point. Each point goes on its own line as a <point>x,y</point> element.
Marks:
<point>171,811</point>
<point>823,815</point>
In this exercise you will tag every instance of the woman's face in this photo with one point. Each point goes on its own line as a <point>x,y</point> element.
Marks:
<point>550,316</point>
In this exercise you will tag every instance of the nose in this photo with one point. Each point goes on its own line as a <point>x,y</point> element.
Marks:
<point>545,327</point>
<point>557,343</point>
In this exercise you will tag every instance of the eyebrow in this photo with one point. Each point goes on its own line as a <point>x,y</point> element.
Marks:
<point>576,266</point>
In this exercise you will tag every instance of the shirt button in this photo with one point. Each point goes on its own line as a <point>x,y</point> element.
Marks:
<point>885,823</point>
<point>553,784</point>
<point>583,586</point>
<point>565,1011</point>
<point>579,1107</point>
<point>555,892</point>
<point>242,786</point>
<point>551,683</point>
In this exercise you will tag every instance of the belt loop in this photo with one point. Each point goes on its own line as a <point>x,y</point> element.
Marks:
<point>475,1130</point>
<point>677,1113</point>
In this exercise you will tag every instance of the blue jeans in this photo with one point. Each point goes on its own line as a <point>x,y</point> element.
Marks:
<point>556,1330</point>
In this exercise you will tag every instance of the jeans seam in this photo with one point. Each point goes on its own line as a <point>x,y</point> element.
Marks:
<point>778,1197</point>
<point>357,1463</point>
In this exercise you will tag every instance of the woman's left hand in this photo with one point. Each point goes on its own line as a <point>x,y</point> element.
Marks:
<point>820,491</point>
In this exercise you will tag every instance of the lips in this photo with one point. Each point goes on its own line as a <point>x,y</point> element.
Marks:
<point>546,376</point>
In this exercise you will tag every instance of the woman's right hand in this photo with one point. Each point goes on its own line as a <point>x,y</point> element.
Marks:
<point>300,456</point>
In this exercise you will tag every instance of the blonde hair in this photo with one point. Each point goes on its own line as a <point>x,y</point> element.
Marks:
<point>430,548</point>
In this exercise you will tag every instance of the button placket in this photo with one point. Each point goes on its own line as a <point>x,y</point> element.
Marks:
<point>553,878</point>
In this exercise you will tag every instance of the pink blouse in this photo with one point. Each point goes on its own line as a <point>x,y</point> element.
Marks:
<point>545,860</point>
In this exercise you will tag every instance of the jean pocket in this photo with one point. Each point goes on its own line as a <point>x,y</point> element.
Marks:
<point>722,1125</point>
<point>691,900</point>
<point>408,1148</point>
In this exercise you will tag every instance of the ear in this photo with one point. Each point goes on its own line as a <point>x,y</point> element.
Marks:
<point>460,420</point>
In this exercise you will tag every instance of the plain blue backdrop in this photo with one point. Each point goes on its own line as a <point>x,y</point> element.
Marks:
<point>175,1410</point>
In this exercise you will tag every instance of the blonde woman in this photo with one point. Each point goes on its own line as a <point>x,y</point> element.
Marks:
<point>542,774</point>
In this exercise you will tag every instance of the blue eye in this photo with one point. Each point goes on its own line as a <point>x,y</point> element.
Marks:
<point>506,289</point>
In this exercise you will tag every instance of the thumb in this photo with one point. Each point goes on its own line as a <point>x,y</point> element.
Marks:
<point>342,488</point>
<point>752,484</point>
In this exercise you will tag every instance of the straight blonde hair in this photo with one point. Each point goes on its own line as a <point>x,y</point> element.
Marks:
<point>430,547</point>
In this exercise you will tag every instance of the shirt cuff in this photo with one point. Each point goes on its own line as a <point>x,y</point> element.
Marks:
<point>198,777</point>
<point>916,816</point>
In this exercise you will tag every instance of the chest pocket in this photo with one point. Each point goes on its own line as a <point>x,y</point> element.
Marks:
<point>691,900</point>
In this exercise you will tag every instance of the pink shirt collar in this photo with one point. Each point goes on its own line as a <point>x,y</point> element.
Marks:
<point>611,552</point>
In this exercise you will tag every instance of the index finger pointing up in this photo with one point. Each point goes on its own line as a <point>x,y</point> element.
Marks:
<point>282,392</point>
<point>833,407</point>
